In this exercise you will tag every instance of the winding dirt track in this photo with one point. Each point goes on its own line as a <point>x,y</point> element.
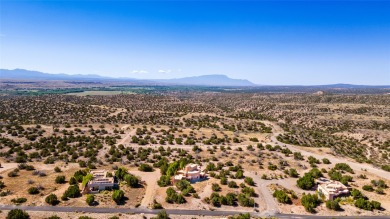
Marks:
<point>265,195</point>
<point>354,165</point>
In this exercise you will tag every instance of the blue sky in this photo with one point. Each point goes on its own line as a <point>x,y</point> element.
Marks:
<point>275,43</point>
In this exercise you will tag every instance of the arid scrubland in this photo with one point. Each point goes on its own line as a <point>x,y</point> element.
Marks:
<point>237,137</point>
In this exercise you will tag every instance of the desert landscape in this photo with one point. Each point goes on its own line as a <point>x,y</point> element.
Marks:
<point>209,109</point>
<point>261,153</point>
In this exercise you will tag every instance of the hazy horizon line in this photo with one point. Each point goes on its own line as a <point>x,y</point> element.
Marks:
<point>154,79</point>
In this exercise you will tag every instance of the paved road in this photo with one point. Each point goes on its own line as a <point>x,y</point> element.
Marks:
<point>169,211</point>
<point>119,210</point>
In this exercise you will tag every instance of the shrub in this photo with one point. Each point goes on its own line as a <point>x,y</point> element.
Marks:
<point>379,183</point>
<point>343,166</point>
<point>239,174</point>
<point>24,166</point>
<point>131,180</point>
<point>223,200</point>
<point>248,191</point>
<point>293,173</point>
<point>282,197</point>
<point>241,216</point>
<point>333,205</point>
<point>224,181</point>
<point>33,191</point>
<point>120,173</point>
<point>362,176</point>
<point>386,167</point>
<point>298,156</point>
<point>345,179</point>
<point>306,182</point>
<point>18,200</point>
<point>325,161</point>
<point>380,191</point>
<point>72,181</point>
<point>376,205</point>
<point>245,201</point>
<point>79,174</point>
<point>232,184</point>
<point>188,190</point>
<point>73,191</point>
<point>51,199</point>
<point>164,181</point>
<point>13,174</point>
<point>231,199</point>
<point>145,168</point>
<point>367,205</point>
<point>272,167</point>
<point>60,179</point>
<point>90,199</point>
<point>17,214</point>
<point>363,204</point>
<point>156,205</point>
<point>249,181</point>
<point>182,184</point>
<point>368,188</point>
<point>85,217</point>
<point>180,199</point>
<point>215,187</point>
<point>118,196</point>
<point>162,215</point>
<point>82,163</point>
<point>310,202</point>
<point>315,173</point>
<point>313,160</point>
<point>57,170</point>
<point>53,217</point>
<point>356,194</point>
<point>215,199</point>
<point>173,197</point>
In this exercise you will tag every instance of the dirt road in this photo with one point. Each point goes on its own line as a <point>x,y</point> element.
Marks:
<point>151,180</point>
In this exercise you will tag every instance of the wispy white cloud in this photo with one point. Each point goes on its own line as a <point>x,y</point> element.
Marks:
<point>139,72</point>
<point>164,71</point>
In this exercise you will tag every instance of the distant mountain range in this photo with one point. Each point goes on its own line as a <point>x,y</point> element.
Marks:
<point>204,80</point>
<point>36,75</point>
<point>208,80</point>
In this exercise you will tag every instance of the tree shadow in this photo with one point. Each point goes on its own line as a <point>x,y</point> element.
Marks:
<point>94,203</point>
<point>123,201</point>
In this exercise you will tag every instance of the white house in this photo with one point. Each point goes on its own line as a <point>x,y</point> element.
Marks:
<point>191,172</point>
<point>331,189</point>
<point>99,182</point>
